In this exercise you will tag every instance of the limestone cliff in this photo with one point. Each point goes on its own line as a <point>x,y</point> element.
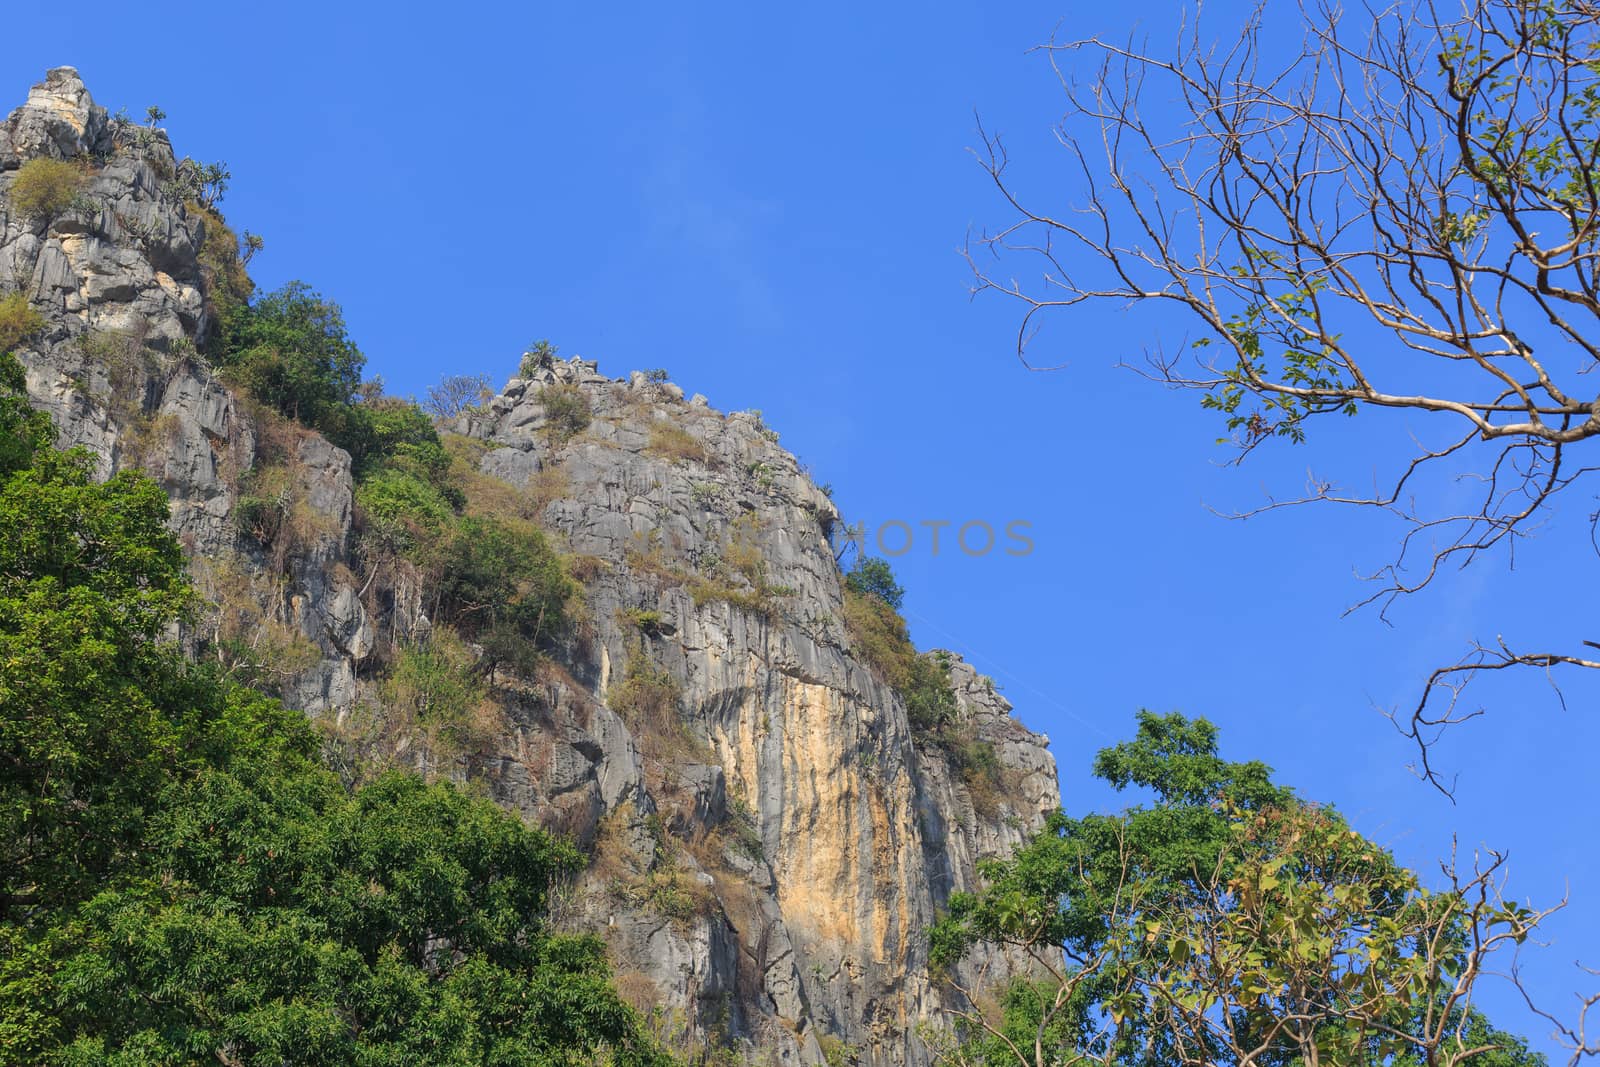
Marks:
<point>769,855</point>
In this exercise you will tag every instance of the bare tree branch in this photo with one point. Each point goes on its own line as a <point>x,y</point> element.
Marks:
<point>1400,217</point>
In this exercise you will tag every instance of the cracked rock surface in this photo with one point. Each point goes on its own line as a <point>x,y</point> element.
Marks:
<point>766,866</point>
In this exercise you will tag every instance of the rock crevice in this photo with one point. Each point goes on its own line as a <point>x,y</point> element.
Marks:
<point>765,875</point>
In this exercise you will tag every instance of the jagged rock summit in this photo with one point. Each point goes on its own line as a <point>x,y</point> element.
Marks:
<point>60,120</point>
<point>770,838</point>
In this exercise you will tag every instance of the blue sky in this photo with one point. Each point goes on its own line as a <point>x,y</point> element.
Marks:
<point>769,202</point>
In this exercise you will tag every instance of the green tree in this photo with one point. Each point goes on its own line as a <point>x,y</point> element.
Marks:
<point>539,356</point>
<point>503,583</point>
<point>89,577</point>
<point>291,350</point>
<point>383,432</point>
<point>182,880</point>
<point>291,922</point>
<point>202,183</point>
<point>402,515</point>
<point>1229,922</point>
<point>22,429</point>
<point>874,577</point>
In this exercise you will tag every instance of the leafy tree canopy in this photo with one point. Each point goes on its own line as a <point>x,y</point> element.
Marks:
<point>292,351</point>
<point>182,880</point>
<point>1227,922</point>
<point>503,582</point>
<point>874,577</point>
<point>22,429</point>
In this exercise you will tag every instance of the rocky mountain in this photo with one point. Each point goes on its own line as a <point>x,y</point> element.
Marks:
<point>769,835</point>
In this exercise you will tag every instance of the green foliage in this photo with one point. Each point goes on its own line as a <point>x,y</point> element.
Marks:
<point>183,881</point>
<point>89,577</point>
<point>395,427</point>
<point>880,635</point>
<point>566,411</point>
<point>930,703</point>
<point>1181,834</point>
<point>386,431</point>
<point>502,584</point>
<point>227,283</point>
<point>837,1051</point>
<point>540,354</point>
<point>293,922</point>
<point>18,320</point>
<point>647,697</point>
<point>45,187</point>
<point>402,514</point>
<point>407,492</point>
<point>875,577</point>
<point>22,429</point>
<point>498,579</point>
<point>1177,758</point>
<point>291,351</point>
<point>1310,372</point>
<point>1196,926</point>
<point>202,183</point>
<point>1526,154</point>
<point>435,682</point>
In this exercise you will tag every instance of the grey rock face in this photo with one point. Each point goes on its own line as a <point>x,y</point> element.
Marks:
<point>863,829</point>
<point>60,120</point>
<point>118,281</point>
<point>766,863</point>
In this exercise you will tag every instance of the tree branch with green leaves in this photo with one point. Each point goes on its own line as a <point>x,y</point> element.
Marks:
<point>1401,215</point>
<point>1229,923</point>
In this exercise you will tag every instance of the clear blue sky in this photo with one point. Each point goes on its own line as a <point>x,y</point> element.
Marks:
<point>768,201</point>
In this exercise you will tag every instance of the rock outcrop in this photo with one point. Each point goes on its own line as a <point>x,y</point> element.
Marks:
<point>767,859</point>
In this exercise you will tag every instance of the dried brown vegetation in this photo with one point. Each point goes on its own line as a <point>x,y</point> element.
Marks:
<point>670,441</point>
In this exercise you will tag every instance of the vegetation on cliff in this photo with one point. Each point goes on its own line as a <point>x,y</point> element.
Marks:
<point>45,187</point>
<point>182,879</point>
<point>872,599</point>
<point>493,577</point>
<point>189,872</point>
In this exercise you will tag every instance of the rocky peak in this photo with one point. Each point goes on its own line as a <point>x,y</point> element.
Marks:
<point>770,835</point>
<point>60,120</point>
